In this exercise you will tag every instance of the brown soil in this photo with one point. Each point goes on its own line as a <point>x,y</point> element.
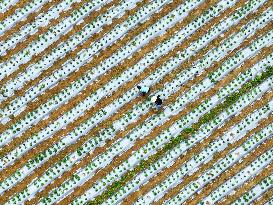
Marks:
<point>219,132</point>
<point>20,46</point>
<point>166,172</point>
<point>264,198</point>
<point>65,37</point>
<point>11,9</point>
<point>141,142</point>
<point>30,18</point>
<point>258,178</point>
<point>101,81</point>
<point>235,168</point>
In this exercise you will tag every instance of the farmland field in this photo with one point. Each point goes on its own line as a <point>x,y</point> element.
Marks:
<point>74,128</point>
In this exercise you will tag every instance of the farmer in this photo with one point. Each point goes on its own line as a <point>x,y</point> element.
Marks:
<point>158,101</point>
<point>143,89</point>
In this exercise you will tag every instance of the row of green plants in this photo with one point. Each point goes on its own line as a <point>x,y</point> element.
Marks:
<point>187,132</point>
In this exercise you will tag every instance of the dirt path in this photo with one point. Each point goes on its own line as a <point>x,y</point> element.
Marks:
<point>258,178</point>
<point>264,198</point>
<point>76,5</point>
<point>141,142</point>
<point>220,131</point>
<point>29,19</point>
<point>11,9</point>
<point>63,38</point>
<point>232,171</point>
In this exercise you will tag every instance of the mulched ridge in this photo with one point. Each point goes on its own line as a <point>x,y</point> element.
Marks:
<point>113,72</point>
<point>139,143</point>
<point>21,45</point>
<point>163,174</point>
<point>64,37</point>
<point>236,119</point>
<point>253,181</point>
<point>264,198</point>
<point>29,19</point>
<point>227,174</point>
<point>11,9</point>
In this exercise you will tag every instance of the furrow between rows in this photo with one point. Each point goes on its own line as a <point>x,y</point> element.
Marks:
<point>264,198</point>
<point>161,176</point>
<point>64,37</point>
<point>22,45</point>
<point>140,142</point>
<point>252,182</point>
<point>230,172</point>
<point>12,9</point>
<point>117,70</point>
<point>267,97</point>
<point>30,18</point>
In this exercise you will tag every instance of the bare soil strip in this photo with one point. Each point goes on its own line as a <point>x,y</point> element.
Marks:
<point>76,5</point>
<point>9,172</point>
<point>97,59</point>
<point>30,18</point>
<point>11,9</point>
<point>236,119</point>
<point>141,142</point>
<point>252,182</point>
<point>139,99</point>
<point>63,38</point>
<point>229,173</point>
<point>166,172</point>
<point>264,198</point>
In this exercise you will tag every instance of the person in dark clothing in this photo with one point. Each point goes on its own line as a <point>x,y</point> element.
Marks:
<point>157,100</point>
<point>143,90</point>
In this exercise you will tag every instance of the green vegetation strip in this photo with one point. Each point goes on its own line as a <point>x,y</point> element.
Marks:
<point>229,101</point>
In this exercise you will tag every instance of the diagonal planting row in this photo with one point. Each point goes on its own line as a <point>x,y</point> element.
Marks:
<point>87,20</point>
<point>123,168</point>
<point>29,19</point>
<point>122,145</point>
<point>189,167</point>
<point>261,188</point>
<point>216,170</point>
<point>29,29</point>
<point>241,79</point>
<point>74,15</point>
<point>240,177</point>
<point>252,179</point>
<point>265,198</point>
<point>17,12</point>
<point>23,55</point>
<point>145,173</point>
<point>124,27</point>
<point>65,93</point>
<point>165,96</point>
<point>111,139</point>
<point>69,44</point>
<point>4,5</point>
<point>260,163</point>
